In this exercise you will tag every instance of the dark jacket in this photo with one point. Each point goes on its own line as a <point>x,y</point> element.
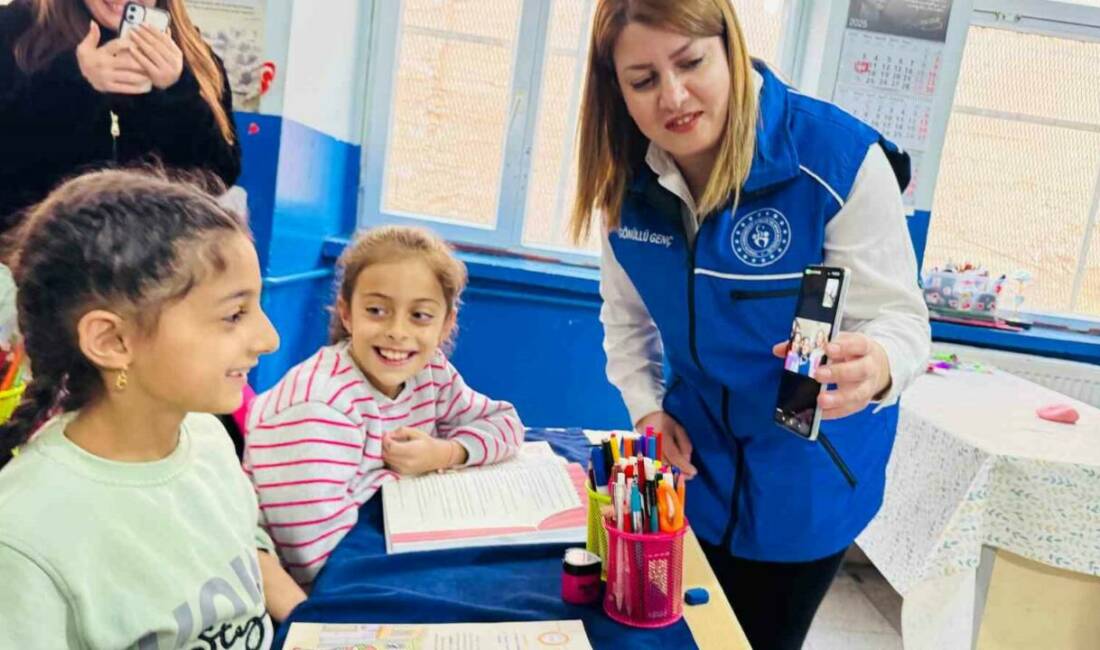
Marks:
<point>53,125</point>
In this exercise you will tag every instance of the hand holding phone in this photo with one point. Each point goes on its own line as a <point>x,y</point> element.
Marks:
<point>853,362</point>
<point>151,44</point>
<point>817,319</point>
<point>110,68</point>
<point>859,367</point>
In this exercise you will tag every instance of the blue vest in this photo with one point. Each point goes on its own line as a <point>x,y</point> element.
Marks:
<point>720,306</point>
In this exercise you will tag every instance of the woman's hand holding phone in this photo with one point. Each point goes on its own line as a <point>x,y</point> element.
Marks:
<point>111,68</point>
<point>677,445</point>
<point>157,54</point>
<point>859,368</point>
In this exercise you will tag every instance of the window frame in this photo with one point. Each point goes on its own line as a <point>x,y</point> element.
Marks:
<point>1057,20</point>
<point>506,233</point>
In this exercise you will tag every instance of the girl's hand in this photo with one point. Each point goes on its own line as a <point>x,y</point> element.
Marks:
<point>675,446</point>
<point>157,54</point>
<point>110,69</point>
<point>411,451</point>
<point>858,366</point>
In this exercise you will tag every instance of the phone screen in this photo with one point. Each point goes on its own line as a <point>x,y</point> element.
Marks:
<point>820,303</point>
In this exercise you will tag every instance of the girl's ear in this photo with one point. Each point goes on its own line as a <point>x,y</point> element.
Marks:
<point>448,327</point>
<point>344,310</point>
<point>105,339</point>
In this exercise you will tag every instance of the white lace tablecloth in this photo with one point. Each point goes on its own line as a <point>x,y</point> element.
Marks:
<point>974,465</point>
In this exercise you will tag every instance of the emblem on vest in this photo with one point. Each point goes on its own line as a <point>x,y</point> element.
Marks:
<point>761,237</point>
<point>645,236</point>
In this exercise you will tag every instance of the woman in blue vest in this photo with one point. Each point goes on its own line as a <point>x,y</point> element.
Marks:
<point>713,184</point>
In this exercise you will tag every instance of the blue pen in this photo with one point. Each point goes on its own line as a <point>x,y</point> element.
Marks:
<point>636,509</point>
<point>598,467</point>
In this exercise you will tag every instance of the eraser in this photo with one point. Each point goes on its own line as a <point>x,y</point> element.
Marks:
<point>696,596</point>
<point>1059,413</point>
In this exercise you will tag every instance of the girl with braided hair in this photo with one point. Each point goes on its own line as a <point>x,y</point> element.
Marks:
<point>125,520</point>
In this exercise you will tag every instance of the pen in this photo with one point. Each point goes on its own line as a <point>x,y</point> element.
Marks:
<point>617,498</point>
<point>16,361</point>
<point>681,488</point>
<point>654,508</point>
<point>628,521</point>
<point>636,508</point>
<point>608,458</point>
<point>599,467</point>
<point>618,492</point>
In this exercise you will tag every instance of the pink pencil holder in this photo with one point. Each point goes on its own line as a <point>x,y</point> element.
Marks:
<point>645,576</point>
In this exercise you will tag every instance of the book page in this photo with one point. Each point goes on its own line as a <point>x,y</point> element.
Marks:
<point>519,493</point>
<point>561,635</point>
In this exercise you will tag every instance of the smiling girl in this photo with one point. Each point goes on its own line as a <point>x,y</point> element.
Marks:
<point>380,401</point>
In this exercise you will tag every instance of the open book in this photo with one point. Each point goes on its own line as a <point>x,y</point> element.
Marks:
<point>534,498</point>
<point>559,635</point>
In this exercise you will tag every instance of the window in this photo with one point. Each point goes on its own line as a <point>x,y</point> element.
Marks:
<point>473,114</point>
<point>1019,180</point>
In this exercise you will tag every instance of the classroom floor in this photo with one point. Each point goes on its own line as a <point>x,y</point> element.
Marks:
<point>861,612</point>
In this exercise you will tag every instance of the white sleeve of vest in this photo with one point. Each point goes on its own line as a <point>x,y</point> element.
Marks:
<point>870,236</point>
<point>633,346</point>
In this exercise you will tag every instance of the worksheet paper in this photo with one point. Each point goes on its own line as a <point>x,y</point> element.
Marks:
<point>532,499</point>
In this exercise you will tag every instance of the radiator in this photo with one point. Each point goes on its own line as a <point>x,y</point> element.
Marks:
<point>1078,380</point>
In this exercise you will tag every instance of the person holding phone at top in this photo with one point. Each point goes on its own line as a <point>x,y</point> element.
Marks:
<point>712,184</point>
<point>74,96</point>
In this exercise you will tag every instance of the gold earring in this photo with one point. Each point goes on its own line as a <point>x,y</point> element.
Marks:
<point>121,380</point>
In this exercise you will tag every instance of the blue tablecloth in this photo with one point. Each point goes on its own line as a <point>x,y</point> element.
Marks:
<point>361,584</point>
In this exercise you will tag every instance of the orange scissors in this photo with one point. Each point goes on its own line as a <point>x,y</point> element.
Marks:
<point>670,506</point>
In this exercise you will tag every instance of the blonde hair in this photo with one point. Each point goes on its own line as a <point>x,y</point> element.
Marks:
<point>610,143</point>
<point>389,244</point>
<point>59,25</point>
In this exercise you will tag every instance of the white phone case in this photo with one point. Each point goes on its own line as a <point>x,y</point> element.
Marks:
<point>135,14</point>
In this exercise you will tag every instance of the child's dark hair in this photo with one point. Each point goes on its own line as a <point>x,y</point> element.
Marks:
<point>392,243</point>
<point>127,241</point>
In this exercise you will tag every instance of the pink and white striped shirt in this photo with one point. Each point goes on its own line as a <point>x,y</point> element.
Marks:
<point>313,446</point>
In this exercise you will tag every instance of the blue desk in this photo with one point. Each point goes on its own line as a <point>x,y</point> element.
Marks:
<point>361,584</point>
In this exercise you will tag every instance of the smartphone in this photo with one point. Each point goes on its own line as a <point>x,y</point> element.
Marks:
<point>816,321</point>
<point>135,14</point>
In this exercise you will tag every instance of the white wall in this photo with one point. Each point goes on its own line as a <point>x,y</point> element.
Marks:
<point>325,67</point>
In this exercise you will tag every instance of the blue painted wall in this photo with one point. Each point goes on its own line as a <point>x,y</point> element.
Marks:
<point>259,136</point>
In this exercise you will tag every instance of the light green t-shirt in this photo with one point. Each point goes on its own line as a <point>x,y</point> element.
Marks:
<point>101,554</point>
